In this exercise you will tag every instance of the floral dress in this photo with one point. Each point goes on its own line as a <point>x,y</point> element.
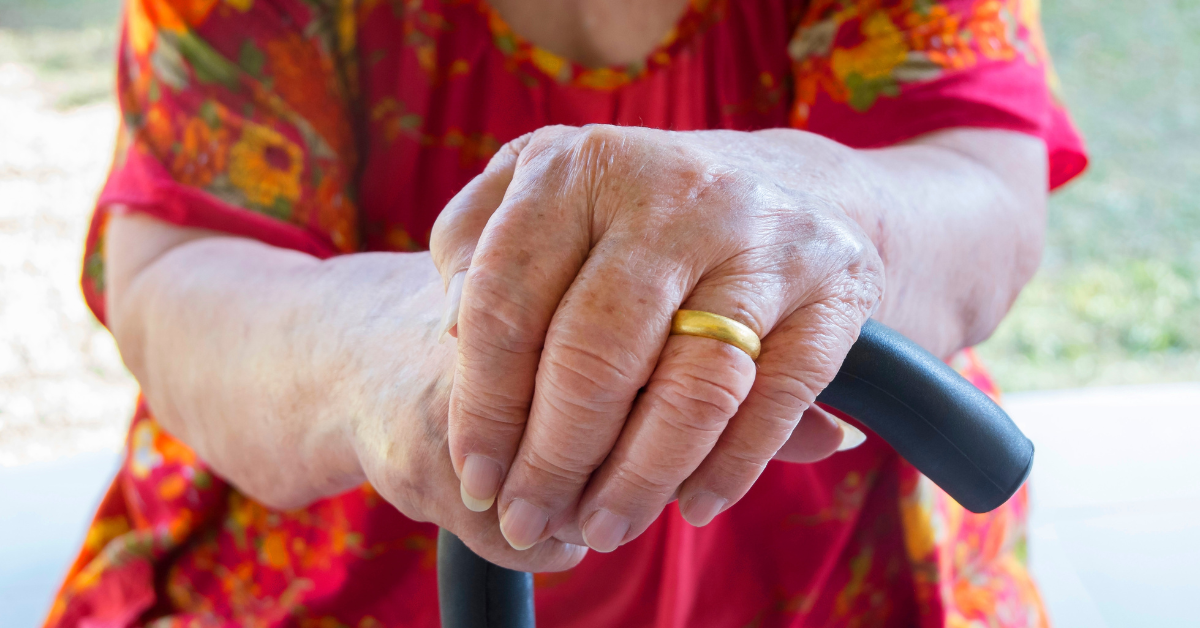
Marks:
<point>336,126</point>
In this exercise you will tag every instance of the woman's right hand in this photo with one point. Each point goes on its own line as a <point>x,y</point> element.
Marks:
<point>297,379</point>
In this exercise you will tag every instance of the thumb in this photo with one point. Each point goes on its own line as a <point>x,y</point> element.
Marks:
<point>457,229</point>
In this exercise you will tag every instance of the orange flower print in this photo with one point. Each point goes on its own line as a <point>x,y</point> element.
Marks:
<point>917,513</point>
<point>172,450</point>
<point>202,155</point>
<point>990,26</point>
<point>266,167</point>
<point>472,147</point>
<point>336,214</point>
<point>143,457</point>
<point>103,530</point>
<point>399,240</point>
<point>881,51</point>
<point>552,64</point>
<point>297,67</point>
<point>936,33</point>
<point>861,51</point>
<point>140,27</point>
<point>973,600</point>
<point>274,549</point>
<point>144,18</point>
<point>158,131</point>
<point>603,79</point>
<point>393,119</point>
<point>172,486</point>
<point>866,69</point>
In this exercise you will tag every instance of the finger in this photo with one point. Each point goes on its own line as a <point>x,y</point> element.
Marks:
<point>698,385</point>
<point>817,436</point>
<point>510,293</point>
<point>607,335</point>
<point>799,358</point>
<point>601,349</point>
<point>457,229</point>
<point>480,530</point>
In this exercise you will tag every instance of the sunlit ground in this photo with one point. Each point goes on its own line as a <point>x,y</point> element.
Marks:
<point>62,386</point>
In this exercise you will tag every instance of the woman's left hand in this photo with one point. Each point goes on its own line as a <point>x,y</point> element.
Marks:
<point>572,252</point>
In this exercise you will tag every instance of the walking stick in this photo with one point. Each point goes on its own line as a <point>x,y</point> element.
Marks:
<point>943,425</point>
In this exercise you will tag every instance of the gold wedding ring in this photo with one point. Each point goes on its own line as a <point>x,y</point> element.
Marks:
<point>717,327</point>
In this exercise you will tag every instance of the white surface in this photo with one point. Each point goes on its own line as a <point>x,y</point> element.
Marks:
<point>1115,531</point>
<point>44,511</point>
<point>1114,539</point>
<point>63,389</point>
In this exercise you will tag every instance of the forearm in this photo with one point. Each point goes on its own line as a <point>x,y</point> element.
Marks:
<point>245,353</point>
<point>961,231</point>
<point>958,218</point>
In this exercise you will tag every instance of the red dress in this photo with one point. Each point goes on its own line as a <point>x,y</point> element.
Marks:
<point>334,126</point>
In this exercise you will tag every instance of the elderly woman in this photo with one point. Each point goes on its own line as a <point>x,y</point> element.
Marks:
<point>319,390</point>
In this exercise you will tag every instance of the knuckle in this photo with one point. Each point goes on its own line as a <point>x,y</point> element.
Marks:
<point>790,393</point>
<point>599,136</point>
<point>541,143</point>
<point>587,405</point>
<point>595,148</point>
<point>557,467</point>
<point>698,400</point>
<point>859,279</point>
<point>491,415</point>
<point>785,404</point>
<point>595,375</point>
<point>745,460</point>
<point>770,431</point>
<point>499,323</point>
<point>509,152</point>
<point>644,479</point>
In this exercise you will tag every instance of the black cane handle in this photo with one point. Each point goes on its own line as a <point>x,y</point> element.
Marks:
<point>941,423</point>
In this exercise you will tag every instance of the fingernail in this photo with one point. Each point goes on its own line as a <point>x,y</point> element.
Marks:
<point>523,524</point>
<point>702,508</point>
<point>453,300</point>
<point>604,531</point>
<point>480,482</point>
<point>851,436</point>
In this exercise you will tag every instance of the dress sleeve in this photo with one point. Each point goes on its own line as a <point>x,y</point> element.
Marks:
<point>871,73</point>
<point>236,116</point>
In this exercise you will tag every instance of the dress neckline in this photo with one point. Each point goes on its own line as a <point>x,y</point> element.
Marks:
<point>697,17</point>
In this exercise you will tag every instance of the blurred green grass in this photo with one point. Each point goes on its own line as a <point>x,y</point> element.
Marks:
<point>69,44</point>
<point>1117,299</point>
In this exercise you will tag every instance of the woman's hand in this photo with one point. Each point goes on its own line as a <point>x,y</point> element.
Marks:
<point>297,379</point>
<point>395,392</point>
<point>570,399</point>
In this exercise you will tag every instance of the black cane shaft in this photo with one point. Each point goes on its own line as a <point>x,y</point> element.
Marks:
<point>473,593</point>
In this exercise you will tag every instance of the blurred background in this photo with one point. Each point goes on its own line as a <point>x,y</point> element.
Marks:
<point>1100,356</point>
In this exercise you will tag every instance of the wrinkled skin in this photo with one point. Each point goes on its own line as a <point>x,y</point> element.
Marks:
<point>304,378</point>
<point>297,378</point>
<point>579,244</point>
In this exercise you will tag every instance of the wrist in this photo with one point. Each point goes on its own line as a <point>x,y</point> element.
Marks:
<point>815,165</point>
<point>378,360</point>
